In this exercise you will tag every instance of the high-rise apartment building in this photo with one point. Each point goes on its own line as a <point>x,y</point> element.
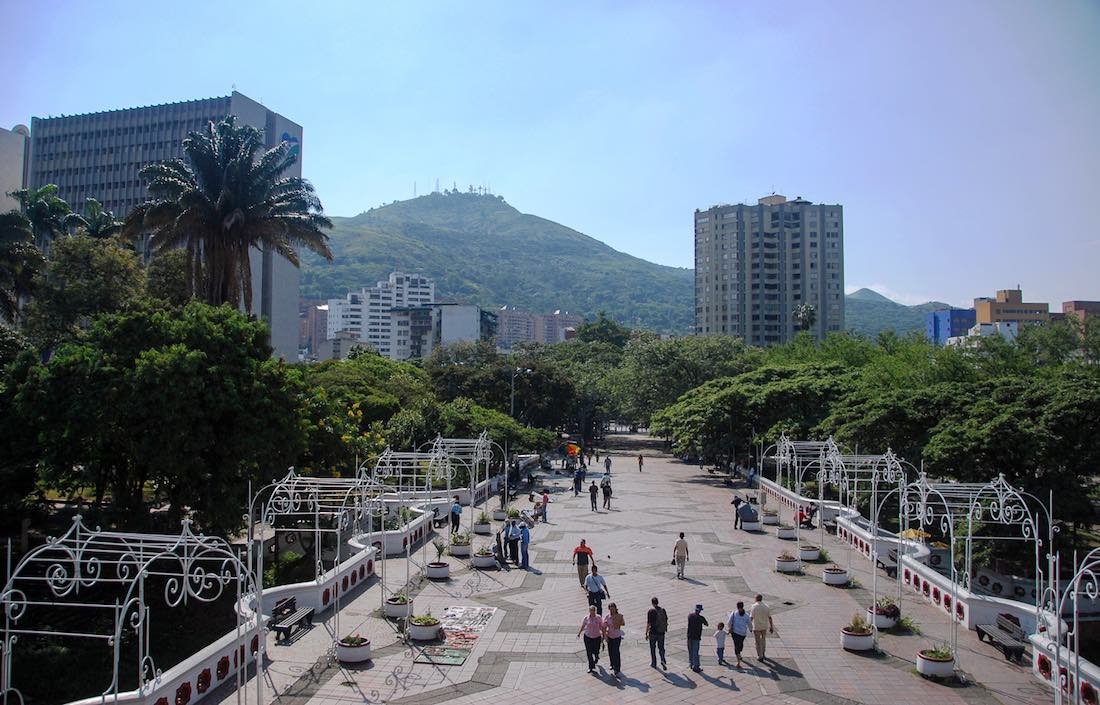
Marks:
<point>98,155</point>
<point>756,265</point>
<point>515,327</point>
<point>368,312</point>
<point>1009,307</point>
<point>14,145</point>
<point>552,327</point>
<point>420,329</point>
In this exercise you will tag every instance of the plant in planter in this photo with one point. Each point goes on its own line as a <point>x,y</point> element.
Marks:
<point>936,662</point>
<point>439,569</point>
<point>424,627</point>
<point>460,544</point>
<point>784,531</point>
<point>483,523</point>
<point>398,605</point>
<point>809,553</point>
<point>513,513</point>
<point>885,613</point>
<point>834,575</point>
<point>857,635</point>
<point>484,558</point>
<point>785,562</point>
<point>500,514</point>
<point>353,649</point>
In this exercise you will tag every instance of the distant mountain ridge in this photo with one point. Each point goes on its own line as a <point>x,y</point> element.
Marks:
<point>868,312</point>
<point>481,250</point>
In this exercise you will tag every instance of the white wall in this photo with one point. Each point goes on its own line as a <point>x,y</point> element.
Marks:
<point>13,151</point>
<point>459,323</point>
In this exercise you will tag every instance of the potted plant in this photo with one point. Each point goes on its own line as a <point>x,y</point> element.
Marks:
<point>834,575</point>
<point>785,532</point>
<point>353,649</point>
<point>885,613</point>
<point>424,627</point>
<point>397,606</point>
<point>857,635</point>
<point>809,553</point>
<point>500,514</point>
<point>936,662</point>
<point>484,558</point>
<point>439,569</point>
<point>787,563</point>
<point>513,513</point>
<point>460,544</point>
<point>483,524</point>
<point>770,516</point>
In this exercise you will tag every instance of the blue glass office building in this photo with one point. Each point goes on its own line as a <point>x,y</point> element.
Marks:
<point>949,323</point>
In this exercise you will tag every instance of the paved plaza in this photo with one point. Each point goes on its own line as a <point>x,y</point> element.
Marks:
<point>530,650</point>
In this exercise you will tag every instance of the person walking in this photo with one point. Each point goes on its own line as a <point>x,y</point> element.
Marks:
<point>605,486</point>
<point>739,626</point>
<point>737,502</point>
<point>582,556</point>
<point>607,464</point>
<point>597,590</point>
<point>696,622</point>
<point>577,480</point>
<point>613,625</point>
<point>762,625</point>
<point>524,542</point>
<point>456,515</point>
<point>513,541</point>
<point>680,555</point>
<point>720,644</point>
<point>597,455</point>
<point>640,462</point>
<point>593,490</point>
<point>592,628</point>
<point>656,626</point>
<point>545,505</point>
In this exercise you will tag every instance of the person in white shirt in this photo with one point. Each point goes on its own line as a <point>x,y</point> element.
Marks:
<point>596,587</point>
<point>720,644</point>
<point>762,625</point>
<point>680,556</point>
<point>740,624</point>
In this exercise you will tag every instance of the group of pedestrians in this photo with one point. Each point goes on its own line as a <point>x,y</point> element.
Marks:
<point>594,492</point>
<point>513,543</point>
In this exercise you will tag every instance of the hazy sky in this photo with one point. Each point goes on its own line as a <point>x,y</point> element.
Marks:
<point>962,138</point>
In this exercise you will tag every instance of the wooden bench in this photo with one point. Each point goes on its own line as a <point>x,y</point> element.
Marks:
<point>1005,635</point>
<point>888,564</point>
<point>830,527</point>
<point>287,617</point>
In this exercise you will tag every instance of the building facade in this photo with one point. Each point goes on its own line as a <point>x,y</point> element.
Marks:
<point>1009,307</point>
<point>1081,310</point>
<point>368,312</point>
<point>99,155</point>
<point>552,327</point>
<point>14,146</point>
<point>948,323</point>
<point>756,264</point>
<point>515,327</point>
<point>418,330</point>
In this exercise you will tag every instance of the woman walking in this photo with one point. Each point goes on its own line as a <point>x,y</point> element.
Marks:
<point>613,625</point>
<point>592,628</point>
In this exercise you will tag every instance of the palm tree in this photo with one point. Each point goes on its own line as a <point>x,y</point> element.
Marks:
<point>806,315</point>
<point>224,200</point>
<point>96,222</point>
<point>20,262</point>
<point>50,216</point>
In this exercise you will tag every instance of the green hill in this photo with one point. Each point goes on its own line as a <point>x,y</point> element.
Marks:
<point>871,313</point>
<point>481,250</point>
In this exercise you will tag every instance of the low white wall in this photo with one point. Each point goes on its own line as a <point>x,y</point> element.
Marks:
<point>1084,680</point>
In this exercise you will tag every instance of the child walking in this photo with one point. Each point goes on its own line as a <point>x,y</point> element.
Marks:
<point>720,643</point>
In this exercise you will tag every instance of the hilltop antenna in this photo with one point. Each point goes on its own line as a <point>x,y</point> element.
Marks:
<point>437,184</point>
<point>414,189</point>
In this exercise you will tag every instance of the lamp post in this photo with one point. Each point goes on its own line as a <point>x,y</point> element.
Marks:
<point>512,415</point>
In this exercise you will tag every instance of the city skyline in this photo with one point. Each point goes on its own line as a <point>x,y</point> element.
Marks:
<point>946,134</point>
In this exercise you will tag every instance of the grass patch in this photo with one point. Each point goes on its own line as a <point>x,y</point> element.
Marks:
<point>906,625</point>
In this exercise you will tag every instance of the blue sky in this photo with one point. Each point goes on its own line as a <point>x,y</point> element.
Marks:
<point>961,137</point>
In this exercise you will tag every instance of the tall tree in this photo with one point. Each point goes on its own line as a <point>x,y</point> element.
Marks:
<point>49,214</point>
<point>806,315</point>
<point>96,221</point>
<point>20,262</point>
<point>226,198</point>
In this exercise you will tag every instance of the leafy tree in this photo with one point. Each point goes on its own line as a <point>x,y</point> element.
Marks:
<point>20,262</point>
<point>224,200</point>
<point>50,216</point>
<point>377,387</point>
<point>96,222</point>
<point>85,277</point>
<point>166,278</point>
<point>603,330</point>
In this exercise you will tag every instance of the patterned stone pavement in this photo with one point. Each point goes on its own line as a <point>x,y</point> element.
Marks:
<point>530,648</point>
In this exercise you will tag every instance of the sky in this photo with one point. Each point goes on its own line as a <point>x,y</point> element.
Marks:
<point>961,137</point>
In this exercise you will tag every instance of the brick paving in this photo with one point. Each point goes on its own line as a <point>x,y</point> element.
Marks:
<point>530,648</point>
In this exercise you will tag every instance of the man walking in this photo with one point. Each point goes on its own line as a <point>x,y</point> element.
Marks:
<point>593,490</point>
<point>656,625</point>
<point>696,622</point>
<point>577,480</point>
<point>582,556</point>
<point>513,542</point>
<point>524,542</point>
<point>739,625</point>
<point>680,555</point>
<point>597,590</point>
<point>545,505</point>
<point>607,464</point>
<point>456,514</point>
<point>640,462</point>
<point>762,625</point>
<point>606,487</point>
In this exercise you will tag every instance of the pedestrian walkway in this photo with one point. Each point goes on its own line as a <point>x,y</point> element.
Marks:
<point>530,648</point>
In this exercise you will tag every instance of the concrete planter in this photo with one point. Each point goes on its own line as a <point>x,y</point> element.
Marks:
<point>424,632</point>
<point>809,553</point>
<point>881,621</point>
<point>770,519</point>
<point>483,562</point>
<point>752,526</point>
<point>834,576</point>
<point>500,515</point>
<point>788,565</point>
<point>353,654</point>
<point>396,610</point>
<point>851,641</point>
<point>935,667</point>
<point>786,533</point>
<point>439,571</point>
<point>460,551</point>
<point>483,529</point>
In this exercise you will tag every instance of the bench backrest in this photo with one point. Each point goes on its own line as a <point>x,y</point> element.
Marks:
<point>285,606</point>
<point>1011,627</point>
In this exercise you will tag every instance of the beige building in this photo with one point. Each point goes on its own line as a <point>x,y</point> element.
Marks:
<point>756,264</point>
<point>14,145</point>
<point>1009,307</point>
<point>514,327</point>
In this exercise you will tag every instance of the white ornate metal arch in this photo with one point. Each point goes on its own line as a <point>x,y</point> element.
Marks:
<point>54,575</point>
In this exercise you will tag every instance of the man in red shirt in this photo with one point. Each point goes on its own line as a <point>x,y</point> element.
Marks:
<point>582,556</point>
